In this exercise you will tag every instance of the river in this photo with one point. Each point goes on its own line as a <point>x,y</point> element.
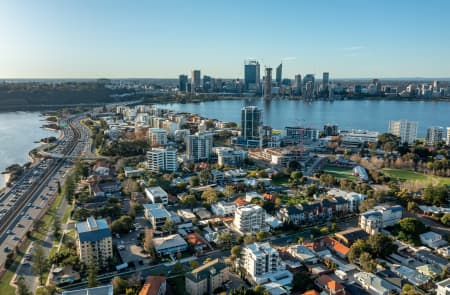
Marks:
<point>19,132</point>
<point>357,114</point>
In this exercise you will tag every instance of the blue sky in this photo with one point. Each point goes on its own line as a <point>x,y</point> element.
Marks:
<point>161,39</point>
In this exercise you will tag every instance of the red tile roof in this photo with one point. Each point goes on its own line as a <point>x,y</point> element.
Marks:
<point>152,285</point>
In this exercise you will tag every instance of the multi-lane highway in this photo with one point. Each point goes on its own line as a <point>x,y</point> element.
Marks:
<point>21,205</point>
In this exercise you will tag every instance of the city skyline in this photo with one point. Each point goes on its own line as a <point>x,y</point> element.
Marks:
<point>352,39</point>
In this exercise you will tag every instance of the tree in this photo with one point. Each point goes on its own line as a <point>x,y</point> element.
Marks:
<point>148,242</point>
<point>92,271</point>
<point>356,249</point>
<point>261,236</point>
<point>412,206</point>
<point>248,239</point>
<point>225,239</point>
<point>366,262</point>
<point>407,289</point>
<point>40,263</point>
<point>194,181</point>
<point>47,290</point>
<point>21,287</point>
<point>311,190</point>
<point>205,176</point>
<point>229,191</point>
<point>296,179</point>
<point>122,225</point>
<point>189,201</point>
<point>446,219</point>
<point>302,282</point>
<point>236,251</point>
<point>210,196</point>
<point>411,225</point>
<point>177,267</point>
<point>119,285</point>
<point>381,245</point>
<point>169,226</point>
<point>57,227</point>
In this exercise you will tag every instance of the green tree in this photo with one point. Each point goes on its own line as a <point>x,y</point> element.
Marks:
<point>296,179</point>
<point>194,264</point>
<point>40,263</point>
<point>225,239</point>
<point>21,287</point>
<point>229,191</point>
<point>356,249</point>
<point>210,196</point>
<point>119,285</point>
<point>446,219</point>
<point>169,226</point>
<point>381,245</point>
<point>194,181</point>
<point>177,267</point>
<point>122,225</point>
<point>261,236</point>
<point>236,251</point>
<point>302,282</point>
<point>57,227</point>
<point>92,271</point>
<point>189,201</point>
<point>205,176</point>
<point>366,262</point>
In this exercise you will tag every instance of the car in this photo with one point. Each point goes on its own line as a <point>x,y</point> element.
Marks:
<point>121,247</point>
<point>8,232</point>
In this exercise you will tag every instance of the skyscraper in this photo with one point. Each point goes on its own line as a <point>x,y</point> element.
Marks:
<point>298,84</point>
<point>279,74</point>
<point>252,75</point>
<point>434,135</point>
<point>183,83</point>
<point>268,83</point>
<point>195,80</point>
<point>309,85</point>
<point>325,81</point>
<point>251,120</point>
<point>406,130</point>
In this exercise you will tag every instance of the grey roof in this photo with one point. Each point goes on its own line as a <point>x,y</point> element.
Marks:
<point>93,230</point>
<point>102,290</point>
<point>210,269</point>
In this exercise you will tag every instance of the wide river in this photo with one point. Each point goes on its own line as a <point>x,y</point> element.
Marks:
<point>18,133</point>
<point>357,114</point>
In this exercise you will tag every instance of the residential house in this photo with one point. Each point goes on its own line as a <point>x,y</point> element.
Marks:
<point>443,287</point>
<point>329,285</point>
<point>154,285</point>
<point>169,245</point>
<point>432,240</point>
<point>374,284</point>
<point>157,195</point>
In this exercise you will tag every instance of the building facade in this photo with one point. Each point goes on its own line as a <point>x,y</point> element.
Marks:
<point>435,135</point>
<point>406,130</point>
<point>249,219</point>
<point>162,159</point>
<point>157,137</point>
<point>251,121</point>
<point>207,278</point>
<point>94,241</point>
<point>380,217</point>
<point>199,147</point>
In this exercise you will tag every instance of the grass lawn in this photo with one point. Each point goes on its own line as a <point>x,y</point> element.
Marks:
<point>293,200</point>
<point>407,175</point>
<point>340,172</point>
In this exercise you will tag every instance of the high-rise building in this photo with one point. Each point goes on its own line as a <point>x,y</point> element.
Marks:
<point>309,85</point>
<point>279,74</point>
<point>183,83</point>
<point>94,241</point>
<point>208,83</point>
<point>162,159</point>
<point>447,141</point>
<point>434,135</point>
<point>298,84</point>
<point>267,91</point>
<point>251,120</point>
<point>195,80</point>
<point>157,137</point>
<point>325,81</point>
<point>330,130</point>
<point>199,146</point>
<point>252,75</point>
<point>406,130</point>
<point>249,219</point>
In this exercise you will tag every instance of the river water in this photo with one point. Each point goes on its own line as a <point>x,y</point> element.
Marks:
<point>18,133</point>
<point>371,115</point>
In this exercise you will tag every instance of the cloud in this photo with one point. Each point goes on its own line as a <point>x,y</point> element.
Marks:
<point>353,48</point>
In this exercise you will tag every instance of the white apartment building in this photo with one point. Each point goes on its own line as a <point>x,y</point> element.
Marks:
<point>406,130</point>
<point>157,214</point>
<point>263,264</point>
<point>249,219</point>
<point>94,241</point>
<point>157,195</point>
<point>230,157</point>
<point>162,159</point>
<point>354,199</point>
<point>223,208</point>
<point>435,135</point>
<point>157,137</point>
<point>447,140</point>
<point>199,146</point>
<point>443,287</point>
<point>380,217</point>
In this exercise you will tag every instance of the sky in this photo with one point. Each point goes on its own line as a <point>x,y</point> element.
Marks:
<point>162,39</point>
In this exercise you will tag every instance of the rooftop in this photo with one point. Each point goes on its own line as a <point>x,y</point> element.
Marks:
<point>102,290</point>
<point>152,285</point>
<point>171,241</point>
<point>93,230</point>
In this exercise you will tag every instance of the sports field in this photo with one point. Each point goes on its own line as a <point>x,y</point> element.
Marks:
<point>340,172</point>
<point>408,175</point>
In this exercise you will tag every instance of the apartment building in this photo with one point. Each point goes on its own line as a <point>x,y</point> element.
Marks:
<point>156,214</point>
<point>380,217</point>
<point>199,146</point>
<point>406,130</point>
<point>157,195</point>
<point>249,219</point>
<point>162,159</point>
<point>94,241</point>
<point>207,278</point>
<point>157,137</point>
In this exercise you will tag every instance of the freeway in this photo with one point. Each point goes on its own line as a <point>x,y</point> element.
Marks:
<point>36,195</point>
